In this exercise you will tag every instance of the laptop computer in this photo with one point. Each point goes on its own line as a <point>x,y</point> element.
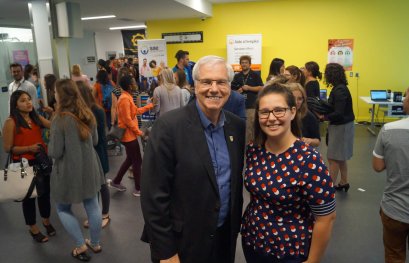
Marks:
<point>379,95</point>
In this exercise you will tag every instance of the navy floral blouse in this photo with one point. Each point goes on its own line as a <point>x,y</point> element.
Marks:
<point>286,191</point>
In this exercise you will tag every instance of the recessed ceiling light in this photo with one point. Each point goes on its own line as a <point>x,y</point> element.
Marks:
<point>97,17</point>
<point>127,27</point>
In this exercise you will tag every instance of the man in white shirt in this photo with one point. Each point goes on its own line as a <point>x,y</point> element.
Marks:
<point>391,153</point>
<point>20,83</point>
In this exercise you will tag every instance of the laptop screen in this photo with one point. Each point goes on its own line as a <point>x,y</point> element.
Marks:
<point>379,95</point>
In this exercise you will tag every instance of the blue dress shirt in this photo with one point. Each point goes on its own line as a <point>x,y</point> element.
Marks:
<point>220,159</point>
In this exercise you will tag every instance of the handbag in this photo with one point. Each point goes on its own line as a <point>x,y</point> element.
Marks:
<point>17,181</point>
<point>116,132</point>
<point>43,161</point>
<point>319,106</point>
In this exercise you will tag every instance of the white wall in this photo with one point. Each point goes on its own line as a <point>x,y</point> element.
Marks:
<point>80,49</point>
<point>108,41</point>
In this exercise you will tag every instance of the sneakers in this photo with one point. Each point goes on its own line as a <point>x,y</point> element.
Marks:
<point>136,193</point>
<point>118,187</point>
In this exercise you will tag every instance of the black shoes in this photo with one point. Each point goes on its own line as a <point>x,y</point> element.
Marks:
<point>341,187</point>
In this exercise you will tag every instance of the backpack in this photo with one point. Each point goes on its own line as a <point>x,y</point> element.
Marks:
<point>107,96</point>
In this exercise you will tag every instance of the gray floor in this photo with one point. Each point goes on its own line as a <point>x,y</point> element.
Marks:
<point>357,235</point>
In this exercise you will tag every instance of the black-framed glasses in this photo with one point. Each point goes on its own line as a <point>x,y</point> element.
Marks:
<point>219,82</point>
<point>277,112</point>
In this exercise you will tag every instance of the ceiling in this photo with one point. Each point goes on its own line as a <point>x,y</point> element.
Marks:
<point>14,13</point>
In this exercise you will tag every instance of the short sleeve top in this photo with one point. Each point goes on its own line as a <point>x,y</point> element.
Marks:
<point>286,191</point>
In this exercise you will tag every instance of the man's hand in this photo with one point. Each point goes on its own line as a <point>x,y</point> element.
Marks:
<point>240,90</point>
<point>174,259</point>
<point>245,87</point>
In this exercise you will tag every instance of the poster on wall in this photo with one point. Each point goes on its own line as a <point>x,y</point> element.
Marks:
<point>130,39</point>
<point>239,45</point>
<point>341,51</point>
<point>21,57</point>
<point>149,51</point>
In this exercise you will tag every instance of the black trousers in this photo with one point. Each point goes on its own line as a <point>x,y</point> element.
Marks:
<point>44,205</point>
<point>221,250</point>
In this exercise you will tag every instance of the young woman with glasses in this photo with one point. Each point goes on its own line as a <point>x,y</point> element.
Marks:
<point>292,200</point>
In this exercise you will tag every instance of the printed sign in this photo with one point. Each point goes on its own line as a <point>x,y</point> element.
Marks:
<point>341,51</point>
<point>239,45</point>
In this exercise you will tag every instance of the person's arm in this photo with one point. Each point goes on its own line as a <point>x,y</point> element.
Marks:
<point>340,99</point>
<point>113,108</point>
<point>378,164</point>
<point>378,160</point>
<point>320,197</point>
<point>312,127</point>
<point>56,145</point>
<point>252,89</point>
<point>174,259</point>
<point>144,108</point>
<point>156,95</point>
<point>46,123</point>
<point>156,186</point>
<point>321,235</point>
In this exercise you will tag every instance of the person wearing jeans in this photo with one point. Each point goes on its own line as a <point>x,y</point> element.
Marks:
<point>77,173</point>
<point>70,222</point>
<point>127,112</point>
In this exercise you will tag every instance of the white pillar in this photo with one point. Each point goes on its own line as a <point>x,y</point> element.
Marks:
<point>42,32</point>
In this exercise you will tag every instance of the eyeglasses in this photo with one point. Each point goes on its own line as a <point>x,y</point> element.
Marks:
<point>222,83</point>
<point>277,112</point>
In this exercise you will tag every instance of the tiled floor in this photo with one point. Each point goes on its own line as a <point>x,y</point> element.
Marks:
<point>357,235</point>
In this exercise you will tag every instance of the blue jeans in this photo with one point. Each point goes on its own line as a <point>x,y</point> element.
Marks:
<point>71,224</point>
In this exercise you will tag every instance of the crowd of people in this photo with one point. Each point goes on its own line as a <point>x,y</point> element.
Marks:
<point>191,177</point>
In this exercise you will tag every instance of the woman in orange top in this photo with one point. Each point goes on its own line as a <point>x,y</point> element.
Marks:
<point>22,138</point>
<point>127,112</point>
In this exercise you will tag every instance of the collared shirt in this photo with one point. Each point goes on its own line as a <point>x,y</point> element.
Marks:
<point>26,86</point>
<point>220,160</point>
<point>145,71</point>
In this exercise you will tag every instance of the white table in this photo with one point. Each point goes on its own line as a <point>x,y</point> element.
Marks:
<point>368,100</point>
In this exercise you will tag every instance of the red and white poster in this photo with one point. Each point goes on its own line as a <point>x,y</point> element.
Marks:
<point>341,51</point>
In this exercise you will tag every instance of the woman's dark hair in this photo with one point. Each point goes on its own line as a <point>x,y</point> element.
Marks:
<point>28,69</point>
<point>282,89</point>
<point>314,68</point>
<point>152,63</point>
<point>126,83</point>
<point>181,78</point>
<point>335,75</point>
<point>49,82</point>
<point>275,66</point>
<point>102,77</point>
<point>297,73</point>
<point>16,115</point>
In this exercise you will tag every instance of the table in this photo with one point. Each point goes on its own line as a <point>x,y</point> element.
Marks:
<point>368,100</point>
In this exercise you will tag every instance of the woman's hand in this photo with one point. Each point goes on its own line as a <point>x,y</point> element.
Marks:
<point>174,259</point>
<point>33,148</point>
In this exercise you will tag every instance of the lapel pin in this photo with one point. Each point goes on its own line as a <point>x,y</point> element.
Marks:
<point>231,138</point>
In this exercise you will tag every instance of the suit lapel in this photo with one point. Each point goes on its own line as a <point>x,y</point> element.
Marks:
<point>231,141</point>
<point>199,143</point>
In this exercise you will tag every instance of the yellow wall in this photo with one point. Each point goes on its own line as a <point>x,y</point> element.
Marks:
<point>298,31</point>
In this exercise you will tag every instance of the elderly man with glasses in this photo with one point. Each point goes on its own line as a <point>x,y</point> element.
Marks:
<point>192,174</point>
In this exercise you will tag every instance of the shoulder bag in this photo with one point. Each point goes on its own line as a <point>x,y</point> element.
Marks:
<point>17,181</point>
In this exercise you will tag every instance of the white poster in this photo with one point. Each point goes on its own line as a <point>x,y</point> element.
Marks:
<point>150,51</point>
<point>239,45</point>
<point>154,49</point>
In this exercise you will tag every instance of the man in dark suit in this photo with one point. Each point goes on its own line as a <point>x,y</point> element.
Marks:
<point>192,174</point>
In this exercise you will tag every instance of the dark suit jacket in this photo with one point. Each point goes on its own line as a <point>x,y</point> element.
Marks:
<point>180,199</point>
<point>236,104</point>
